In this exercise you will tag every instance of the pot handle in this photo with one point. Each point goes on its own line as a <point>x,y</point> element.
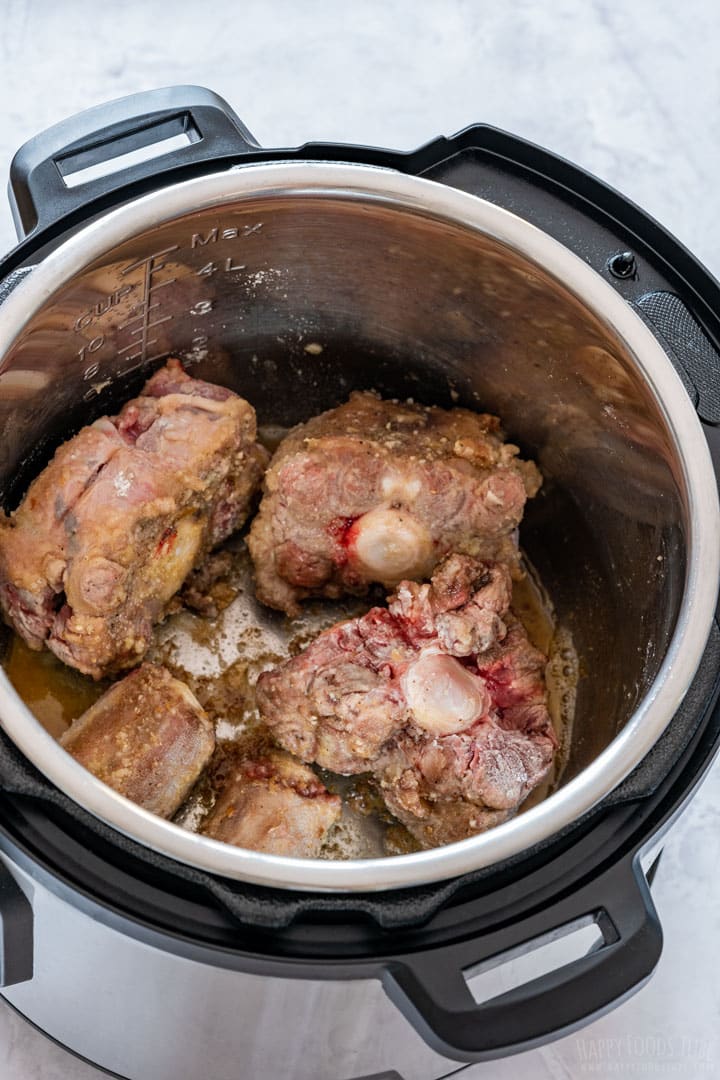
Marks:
<point>16,932</point>
<point>431,990</point>
<point>56,171</point>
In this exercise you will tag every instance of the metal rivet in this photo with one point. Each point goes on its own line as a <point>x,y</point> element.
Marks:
<point>622,265</point>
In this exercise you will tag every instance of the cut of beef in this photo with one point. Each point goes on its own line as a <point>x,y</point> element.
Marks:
<point>147,737</point>
<point>379,491</point>
<point>446,788</point>
<point>273,804</point>
<point>207,590</point>
<point>441,696</point>
<point>107,534</point>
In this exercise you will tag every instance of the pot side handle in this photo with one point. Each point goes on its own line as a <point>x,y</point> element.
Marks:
<point>57,171</point>
<point>16,932</point>
<point>432,992</point>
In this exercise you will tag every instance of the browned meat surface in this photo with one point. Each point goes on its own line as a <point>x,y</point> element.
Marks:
<point>147,737</point>
<point>273,804</point>
<point>207,590</point>
<point>107,534</point>
<point>380,491</point>
<point>441,697</point>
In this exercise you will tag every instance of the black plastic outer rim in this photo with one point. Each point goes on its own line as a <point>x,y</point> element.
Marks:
<point>492,145</point>
<point>635,823</point>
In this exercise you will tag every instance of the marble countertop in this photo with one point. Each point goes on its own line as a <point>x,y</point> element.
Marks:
<point>630,92</point>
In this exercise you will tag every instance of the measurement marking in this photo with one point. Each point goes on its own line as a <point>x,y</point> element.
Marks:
<point>153,289</point>
<point>142,361</point>
<point>149,259</point>
<point>151,265</point>
<point>147,325</point>
<point>135,367</point>
<point>143,346</point>
<point>140,314</point>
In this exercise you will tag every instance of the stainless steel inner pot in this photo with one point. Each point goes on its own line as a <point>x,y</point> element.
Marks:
<point>296,283</point>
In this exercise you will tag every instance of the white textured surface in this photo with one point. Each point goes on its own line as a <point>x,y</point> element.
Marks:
<point>630,91</point>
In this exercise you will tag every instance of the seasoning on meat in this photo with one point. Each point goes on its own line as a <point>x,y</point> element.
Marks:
<point>441,696</point>
<point>147,737</point>
<point>379,491</point>
<point>273,804</point>
<point>107,534</point>
<point>207,590</point>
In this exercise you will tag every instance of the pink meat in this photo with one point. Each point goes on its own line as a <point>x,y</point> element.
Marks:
<point>381,491</point>
<point>490,768</point>
<point>441,696</point>
<point>108,532</point>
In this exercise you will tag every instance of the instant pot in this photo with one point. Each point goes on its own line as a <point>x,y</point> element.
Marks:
<point>479,270</point>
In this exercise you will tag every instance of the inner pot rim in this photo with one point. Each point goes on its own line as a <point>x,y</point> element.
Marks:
<point>653,714</point>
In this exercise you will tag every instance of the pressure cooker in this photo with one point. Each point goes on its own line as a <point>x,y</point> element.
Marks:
<point>478,270</point>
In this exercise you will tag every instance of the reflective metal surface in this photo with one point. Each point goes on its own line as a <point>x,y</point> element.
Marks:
<point>148,1014</point>
<point>417,290</point>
